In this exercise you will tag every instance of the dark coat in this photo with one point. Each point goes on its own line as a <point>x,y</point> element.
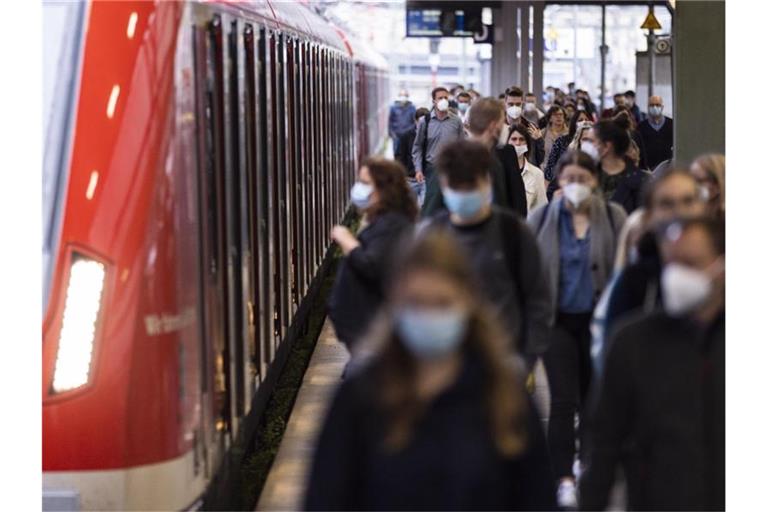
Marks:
<point>629,190</point>
<point>660,411</point>
<point>515,186</point>
<point>450,462</point>
<point>359,288</point>
<point>637,287</point>
<point>658,144</point>
<point>402,118</point>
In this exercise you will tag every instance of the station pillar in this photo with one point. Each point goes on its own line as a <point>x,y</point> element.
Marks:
<point>518,52</point>
<point>699,78</point>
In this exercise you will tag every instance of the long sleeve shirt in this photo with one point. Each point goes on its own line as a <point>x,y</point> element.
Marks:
<point>441,132</point>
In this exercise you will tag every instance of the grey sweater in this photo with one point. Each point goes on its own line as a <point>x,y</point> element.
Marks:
<point>544,222</point>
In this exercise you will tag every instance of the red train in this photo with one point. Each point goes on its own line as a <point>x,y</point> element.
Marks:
<point>197,155</point>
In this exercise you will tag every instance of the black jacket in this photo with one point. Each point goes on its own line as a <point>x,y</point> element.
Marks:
<point>629,189</point>
<point>637,287</point>
<point>506,183</point>
<point>505,257</point>
<point>660,411</point>
<point>515,186</point>
<point>450,462</point>
<point>359,288</point>
<point>658,144</point>
<point>403,154</point>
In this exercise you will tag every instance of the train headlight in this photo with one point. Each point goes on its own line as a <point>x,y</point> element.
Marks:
<point>78,328</point>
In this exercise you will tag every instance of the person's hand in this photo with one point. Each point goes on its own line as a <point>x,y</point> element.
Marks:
<point>534,131</point>
<point>344,237</point>
<point>557,193</point>
<point>419,177</point>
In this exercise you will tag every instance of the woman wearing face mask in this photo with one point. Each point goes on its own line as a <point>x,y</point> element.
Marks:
<point>560,146</point>
<point>533,177</point>
<point>577,236</point>
<point>556,128</point>
<point>382,195</point>
<point>437,419</point>
<point>620,179</point>
<point>709,171</point>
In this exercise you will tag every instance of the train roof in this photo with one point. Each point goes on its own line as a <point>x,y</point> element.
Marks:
<point>300,17</point>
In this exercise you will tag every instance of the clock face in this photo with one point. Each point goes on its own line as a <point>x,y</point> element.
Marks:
<point>662,46</point>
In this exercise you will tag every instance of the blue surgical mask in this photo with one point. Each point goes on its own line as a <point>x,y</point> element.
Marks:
<point>465,204</point>
<point>361,194</point>
<point>430,334</point>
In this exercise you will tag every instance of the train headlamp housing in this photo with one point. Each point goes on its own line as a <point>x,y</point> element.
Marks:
<point>78,326</point>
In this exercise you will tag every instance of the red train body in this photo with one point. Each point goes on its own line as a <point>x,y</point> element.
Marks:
<point>206,149</point>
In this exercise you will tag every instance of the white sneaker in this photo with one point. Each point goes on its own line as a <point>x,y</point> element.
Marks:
<point>567,495</point>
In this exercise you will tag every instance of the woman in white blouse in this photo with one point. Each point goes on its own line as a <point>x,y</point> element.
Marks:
<point>533,177</point>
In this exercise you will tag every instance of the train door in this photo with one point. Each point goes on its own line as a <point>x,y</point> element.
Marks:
<point>248,145</point>
<point>214,352</point>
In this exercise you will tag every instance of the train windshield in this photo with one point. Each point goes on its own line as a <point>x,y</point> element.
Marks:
<point>62,31</point>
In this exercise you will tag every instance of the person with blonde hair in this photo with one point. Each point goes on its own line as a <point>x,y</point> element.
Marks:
<point>438,418</point>
<point>709,171</point>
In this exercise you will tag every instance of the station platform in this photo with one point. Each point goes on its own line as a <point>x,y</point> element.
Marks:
<point>284,488</point>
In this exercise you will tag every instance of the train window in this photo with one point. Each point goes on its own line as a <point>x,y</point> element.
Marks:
<point>62,34</point>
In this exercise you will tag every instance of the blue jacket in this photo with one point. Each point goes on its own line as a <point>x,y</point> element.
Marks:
<point>401,119</point>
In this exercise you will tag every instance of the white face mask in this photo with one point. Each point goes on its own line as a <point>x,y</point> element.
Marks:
<point>463,107</point>
<point>704,193</point>
<point>514,111</point>
<point>576,193</point>
<point>503,136</point>
<point>361,194</point>
<point>684,288</point>
<point>589,148</point>
<point>655,110</point>
<point>442,105</point>
<point>402,99</point>
<point>521,150</point>
<point>530,107</point>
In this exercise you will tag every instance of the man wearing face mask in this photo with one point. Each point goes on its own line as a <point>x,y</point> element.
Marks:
<point>513,99</point>
<point>463,100</point>
<point>661,406</point>
<point>401,118</point>
<point>500,247</point>
<point>633,108</point>
<point>657,132</point>
<point>434,131</point>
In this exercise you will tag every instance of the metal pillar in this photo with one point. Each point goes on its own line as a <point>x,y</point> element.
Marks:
<point>504,69</point>
<point>538,49</point>
<point>525,46</point>
<point>603,55</point>
<point>651,61</point>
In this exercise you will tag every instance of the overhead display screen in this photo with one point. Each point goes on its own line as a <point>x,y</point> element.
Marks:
<point>442,22</point>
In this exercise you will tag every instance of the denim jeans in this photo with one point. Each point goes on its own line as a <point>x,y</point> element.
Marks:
<point>418,190</point>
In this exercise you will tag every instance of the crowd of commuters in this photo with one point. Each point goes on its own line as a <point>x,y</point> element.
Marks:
<point>510,232</point>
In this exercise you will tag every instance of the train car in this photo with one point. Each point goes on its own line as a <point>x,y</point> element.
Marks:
<point>196,157</point>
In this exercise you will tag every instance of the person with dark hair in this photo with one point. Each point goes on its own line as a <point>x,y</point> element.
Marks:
<point>620,179</point>
<point>633,108</point>
<point>486,125</point>
<point>513,100</point>
<point>533,177</point>
<point>578,236</point>
<point>555,127</point>
<point>660,408</point>
<point>530,110</point>
<point>619,100</point>
<point>382,195</point>
<point>463,100</point>
<point>636,151</point>
<point>434,131</point>
<point>499,245</point>
<point>560,146</point>
<point>666,196</point>
<point>657,131</point>
<point>404,156</point>
<point>437,418</point>
<point>583,102</point>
